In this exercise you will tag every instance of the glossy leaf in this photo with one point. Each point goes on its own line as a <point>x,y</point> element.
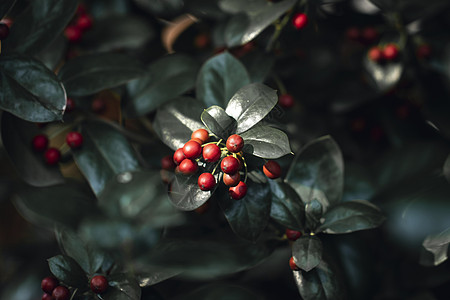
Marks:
<point>89,74</point>
<point>437,245</point>
<point>175,121</point>
<point>39,25</point>
<point>249,216</point>
<point>121,287</point>
<point>133,32</point>
<point>218,122</point>
<point>383,76</point>
<point>321,283</point>
<point>17,136</point>
<point>351,216</point>
<point>30,90</point>
<point>219,79</point>
<point>307,252</point>
<point>160,7</point>
<point>165,79</point>
<point>313,212</point>
<point>266,142</point>
<point>250,105</point>
<point>52,55</point>
<point>319,166</point>
<point>259,17</point>
<point>287,207</point>
<point>5,6</point>
<point>104,154</point>
<point>153,275</point>
<point>68,271</point>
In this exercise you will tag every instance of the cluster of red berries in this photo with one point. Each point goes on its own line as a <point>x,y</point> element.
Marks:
<point>300,20</point>
<point>82,22</point>
<point>293,235</point>
<point>366,36</point>
<point>54,291</point>
<point>52,155</point>
<point>389,52</point>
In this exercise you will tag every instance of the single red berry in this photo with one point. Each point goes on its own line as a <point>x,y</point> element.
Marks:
<point>84,22</point>
<point>192,149</point>
<point>48,284</point>
<point>293,235</point>
<point>272,169</point>
<point>229,165</point>
<point>293,265</point>
<point>4,31</point>
<point>178,156</point>
<point>300,20</point>
<point>167,163</point>
<point>424,51</point>
<point>52,156</point>
<point>197,140</point>
<point>70,105</point>
<point>238,192</point>
<point>375,54</point>
<point>231,180</point>
<point>201,41</point>
<point>98,105</point>
<point>73,33</point>
<point>206,182</point>
<point>353,33</point>
<point>235,143</point>
<point>201,134</point>
<point>74,139</point>
<point>99,284</point>
<point>369,35</point>
<point>211,153</point>
<point>286,101</point>
<point>188,166</point>
<point>390,52</point>
<point>46,296</point>
<point>40,142</point>
<point>61,293</point>
<point>8,21</point>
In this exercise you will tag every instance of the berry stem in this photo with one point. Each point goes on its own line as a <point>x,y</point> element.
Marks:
<point>279,84</point>
<point>279,25</point>
<point>215,168</point>
<point>245,168</point>
<point>74,292</point>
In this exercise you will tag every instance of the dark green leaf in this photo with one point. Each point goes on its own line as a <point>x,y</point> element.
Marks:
<point>313,212</point>
<point>30,90</point>
<point>319,167</point>
<point>52,55</point>
<point>39,25</point>
<point>235,28</point>
<point>158,7</point>
<point>437,245</point>
<point>68,271</point>
<point>383,76</point>
<point>133,32</point>
<point>446,168</point>
<point>351,216</point>
<point>250,105</point>
<point>63,204</point>
<point>258,65</point>
<point>219,79</point>
<point>122,287</point>
<point>153,275</point>
<point>248,217</point>
<point>167,78</point>
<point>175,121</point>
<point>17,136</point>
<point>89,74</point>
<point>307,252</point>
<point>321,283</point>
<point>266,142</point>
<point>287,207</point>
<point>5,6</point>
<point>105,153</point>
<point>218,122</point>
<point>260,15</point>
<point>220,291</point>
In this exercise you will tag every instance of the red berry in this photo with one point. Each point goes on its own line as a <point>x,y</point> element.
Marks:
<point>353,34</point>
<point>286,101</point>
<point>231,180</point>
<point>375,54</point>
<point>46,296</point>
<point>192,149</point>
<point>74,139</point>
<point>206,182</point>
<point>188,166</point>
<point>99,284</point>
<point>293,265</point>
<point>8,21</point>
<point>272,169</point>
<point>4,31</point>
<point>84,22</point>
<point>167,163</point>
<point>293,235</point>
<point>229,165</point>
<point>238,192</point>
<point>201,41</point>
<point>52,156</point>
<point>201,134</point>
<point>235,143</point>
<point>61,293</point>
<point>98,105</point>
<point>73,33</point>
<point>211,153</point>
<point>70,105</point>
<point>178,156</point>
<point>300,20</point>
<point>391,52</point>
<point>40,142</point>
<point>424,51</point>
<point>369,35</point>
<point>48,284</point>
<point>197,140</point>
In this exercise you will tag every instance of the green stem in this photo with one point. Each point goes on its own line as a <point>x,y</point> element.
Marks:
<point>279,84</point>
<point>279,25</point>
